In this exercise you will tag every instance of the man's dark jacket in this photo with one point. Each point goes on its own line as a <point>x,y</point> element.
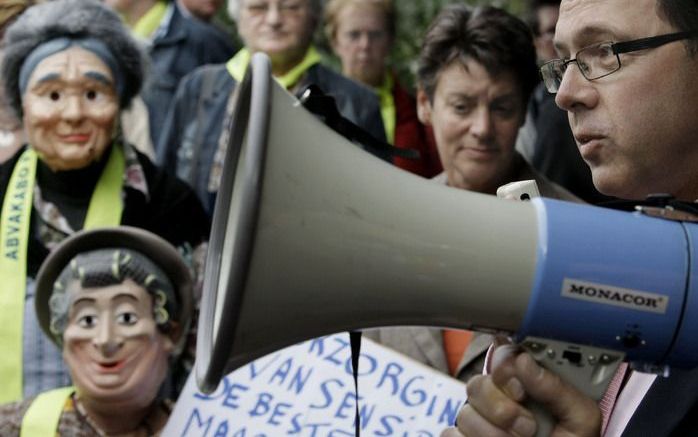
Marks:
<point>191,132</point>
<point>186,44</point>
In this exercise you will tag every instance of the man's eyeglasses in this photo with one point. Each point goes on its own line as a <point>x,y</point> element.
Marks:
<point>600,60</point>
<point>260,8</point>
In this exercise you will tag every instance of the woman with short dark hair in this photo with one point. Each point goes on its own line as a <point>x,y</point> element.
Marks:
<point>476,71</point>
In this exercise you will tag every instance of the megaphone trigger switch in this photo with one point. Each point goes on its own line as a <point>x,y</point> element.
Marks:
<point>574,357</point>
<point>588,368</point>
<point>519,190</point>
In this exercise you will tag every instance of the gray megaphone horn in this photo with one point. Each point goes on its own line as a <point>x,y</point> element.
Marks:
<point>312,236</point>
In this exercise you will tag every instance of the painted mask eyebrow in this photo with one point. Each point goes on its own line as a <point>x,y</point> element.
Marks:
<point>125,296</point>
<point>94,75</point>
<point>91,300</point>
<point>50,77</point>
<point>100,77</point>
<point>84,300</point>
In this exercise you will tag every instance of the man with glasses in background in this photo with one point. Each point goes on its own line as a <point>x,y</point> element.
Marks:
<point>193,140</point>
<point>627,79</point>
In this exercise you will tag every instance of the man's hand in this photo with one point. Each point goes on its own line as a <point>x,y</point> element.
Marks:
<point>495,401</point>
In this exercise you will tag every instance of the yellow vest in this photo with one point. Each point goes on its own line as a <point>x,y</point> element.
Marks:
<point>44,413</point>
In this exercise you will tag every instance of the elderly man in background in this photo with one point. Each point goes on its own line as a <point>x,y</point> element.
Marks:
<point>194,141</point>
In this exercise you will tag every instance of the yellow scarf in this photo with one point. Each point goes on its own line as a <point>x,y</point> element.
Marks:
<point>387,102</point>
<point>147,24</point>
<point>44,413</point>
<point>105,209</point>
<point>237,66</point>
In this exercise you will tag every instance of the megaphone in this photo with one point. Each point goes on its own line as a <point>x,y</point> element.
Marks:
<point>312,236</point>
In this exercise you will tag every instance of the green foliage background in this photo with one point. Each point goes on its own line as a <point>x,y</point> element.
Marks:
<point>413,19</point>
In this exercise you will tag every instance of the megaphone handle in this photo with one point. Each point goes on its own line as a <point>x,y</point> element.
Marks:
<point>589,369</point>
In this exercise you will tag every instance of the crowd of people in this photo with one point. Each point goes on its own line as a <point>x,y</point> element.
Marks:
<point>113,134</point>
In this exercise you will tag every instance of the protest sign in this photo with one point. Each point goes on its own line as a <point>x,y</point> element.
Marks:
<point>308,390</point>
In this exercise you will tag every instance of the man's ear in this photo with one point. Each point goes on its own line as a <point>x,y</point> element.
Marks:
<point>423,107</point>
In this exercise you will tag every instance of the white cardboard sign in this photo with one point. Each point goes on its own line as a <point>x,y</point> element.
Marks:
<point>308,390</point>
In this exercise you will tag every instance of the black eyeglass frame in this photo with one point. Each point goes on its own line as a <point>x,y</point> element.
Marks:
<point>650,42</point>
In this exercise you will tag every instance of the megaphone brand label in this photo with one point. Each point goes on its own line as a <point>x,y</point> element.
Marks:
<point>610,295</point>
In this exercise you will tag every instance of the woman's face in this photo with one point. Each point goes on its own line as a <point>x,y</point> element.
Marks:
<point>476,118</point>
<point>70,109</point>
<point>112,345</point>
<point>362,43</point>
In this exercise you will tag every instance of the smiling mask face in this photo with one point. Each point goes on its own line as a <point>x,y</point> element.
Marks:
<point>70,109</point>
<point>112,345</point>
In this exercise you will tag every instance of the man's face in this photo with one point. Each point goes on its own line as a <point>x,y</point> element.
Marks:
<point>112,345</point>
<point>362,43</point>
<point>547,18</point>
<point>70,109</point>
<point>203,9</point>
<point>636,128</point>
<point>475,118</point>
<point>280,28</point>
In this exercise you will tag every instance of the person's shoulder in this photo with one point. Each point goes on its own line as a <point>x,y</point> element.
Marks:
<point>400,93</point>
<point>172,197</point>
<point>546,187</point>
<point>325,77</point>
<point>668,407</point>
<point>440,178</point>
<point>11,416</point>
<point>6,168</point>
<point>203,32</point>
<point>210,34</point>
<point>192,83</point>
<point>218,72</point>
<point>158,178</point>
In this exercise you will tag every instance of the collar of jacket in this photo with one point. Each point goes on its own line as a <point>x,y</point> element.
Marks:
<point>238,65</point>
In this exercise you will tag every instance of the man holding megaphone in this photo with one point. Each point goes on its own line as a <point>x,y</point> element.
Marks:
<point>322,249</point>
<point>627,80</point>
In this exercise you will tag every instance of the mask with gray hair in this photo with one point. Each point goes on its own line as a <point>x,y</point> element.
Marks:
<point>73,20</point>
<point>105,267</point>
